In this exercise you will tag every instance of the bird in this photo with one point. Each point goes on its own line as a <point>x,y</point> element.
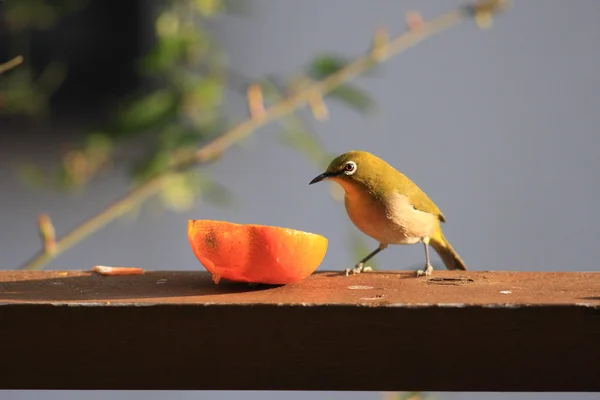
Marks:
<point>386,205</point>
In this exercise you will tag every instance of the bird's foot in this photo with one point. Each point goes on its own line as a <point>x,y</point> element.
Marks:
<point>358,269</point>
<point>427,272</point>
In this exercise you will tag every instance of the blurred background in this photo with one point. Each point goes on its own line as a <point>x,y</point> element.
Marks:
<point>497,126</point>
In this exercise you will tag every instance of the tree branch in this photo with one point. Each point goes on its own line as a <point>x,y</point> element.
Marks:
<point>382,50</point>
<point>11,64</point>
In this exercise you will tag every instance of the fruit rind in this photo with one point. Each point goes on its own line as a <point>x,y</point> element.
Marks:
<point>256,253</point>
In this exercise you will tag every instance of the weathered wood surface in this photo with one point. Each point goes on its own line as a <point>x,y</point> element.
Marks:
<point>456,331</point>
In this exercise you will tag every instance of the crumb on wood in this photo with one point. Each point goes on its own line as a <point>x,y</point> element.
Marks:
<point>113,271</point>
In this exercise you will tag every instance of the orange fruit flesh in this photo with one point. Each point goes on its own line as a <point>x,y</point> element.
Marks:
<point>255,253</point>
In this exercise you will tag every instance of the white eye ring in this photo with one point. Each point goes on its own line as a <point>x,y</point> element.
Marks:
<point>350,168</point>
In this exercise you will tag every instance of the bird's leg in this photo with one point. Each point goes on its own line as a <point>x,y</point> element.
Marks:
<point>428,268</point>
<point>359,267</point>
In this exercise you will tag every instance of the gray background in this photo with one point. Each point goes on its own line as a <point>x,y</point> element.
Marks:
<point>499,127</point>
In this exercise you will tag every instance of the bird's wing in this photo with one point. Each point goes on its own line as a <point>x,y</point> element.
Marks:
<point>425,204</point>
<point>420,201</point>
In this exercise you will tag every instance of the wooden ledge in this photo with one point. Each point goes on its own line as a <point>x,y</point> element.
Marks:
<point>455,331</point>
<point>397,288</point>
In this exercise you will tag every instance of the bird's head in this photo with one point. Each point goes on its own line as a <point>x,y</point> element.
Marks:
<point>355,167</point>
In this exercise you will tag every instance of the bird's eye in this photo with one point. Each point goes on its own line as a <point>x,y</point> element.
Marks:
<point>350,168</point>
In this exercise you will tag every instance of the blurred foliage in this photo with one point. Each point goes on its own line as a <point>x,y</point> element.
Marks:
<point>26,15</point>
<point>181,110</point>
<point>406,396</point>
<point>325,65</point>
<point>23,91</point>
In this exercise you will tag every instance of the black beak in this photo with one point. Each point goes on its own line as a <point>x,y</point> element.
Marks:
<point>319,178</point>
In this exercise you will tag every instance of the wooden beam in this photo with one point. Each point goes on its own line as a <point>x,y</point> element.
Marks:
<point>456,331</point>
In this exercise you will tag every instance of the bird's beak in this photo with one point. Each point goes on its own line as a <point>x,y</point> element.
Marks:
<point>319,178</point>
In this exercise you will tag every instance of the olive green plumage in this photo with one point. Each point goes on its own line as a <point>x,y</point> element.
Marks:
<point>386,205</point>
<point>379,178</point>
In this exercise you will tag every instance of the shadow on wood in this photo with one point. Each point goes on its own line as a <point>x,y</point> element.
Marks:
<point>85,286</point>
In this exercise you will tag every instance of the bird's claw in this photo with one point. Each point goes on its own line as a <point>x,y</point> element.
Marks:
<point>358,269</point>
<point>427,272</point>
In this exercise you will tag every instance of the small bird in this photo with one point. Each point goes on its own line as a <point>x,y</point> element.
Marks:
<point>387,206</point>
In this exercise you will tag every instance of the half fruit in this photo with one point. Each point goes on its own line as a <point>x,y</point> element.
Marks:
<point>255,253</point>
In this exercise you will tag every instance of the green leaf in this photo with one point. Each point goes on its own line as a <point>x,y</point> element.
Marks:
<point>151,166</point>
<point>209,91</point>
<point>354,98</point>
<point>208,8</point>
<point>98,148</point>
<point>326,64</point>
<point>305,143</point>
<point>217,194</point>
<point>210,190</point>
<point>32,175</point>
<point>177,137</point>
<point>98,140</point>
<point>178,192</point>
<point>165,54</point>
<point>22,15</point>
<point>21,95</point>
<point>148,111</point>
<point>65,181</point>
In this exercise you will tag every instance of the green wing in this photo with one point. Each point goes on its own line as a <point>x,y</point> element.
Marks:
<point>419,200</point>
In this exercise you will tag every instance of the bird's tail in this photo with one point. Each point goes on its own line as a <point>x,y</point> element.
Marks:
<point>449,256</point>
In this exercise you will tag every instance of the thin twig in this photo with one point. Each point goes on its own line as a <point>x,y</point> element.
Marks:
<point>11,64</point>
<point>112,212</point>
<point>287,105</point>
<point>358,66</point>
